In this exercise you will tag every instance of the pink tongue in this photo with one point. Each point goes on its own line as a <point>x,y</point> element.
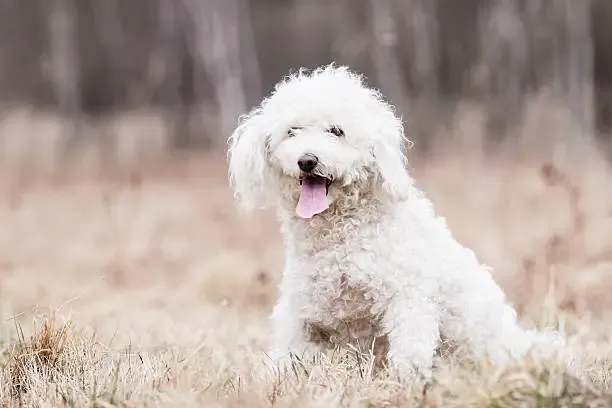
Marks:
<point>313,198</point>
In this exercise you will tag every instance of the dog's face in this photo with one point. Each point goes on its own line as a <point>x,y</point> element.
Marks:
<point>314,161</point>
<point>316,137</point>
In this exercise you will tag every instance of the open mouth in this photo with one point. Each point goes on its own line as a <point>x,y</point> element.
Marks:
<point>313,195</point>
<point>316,180</point>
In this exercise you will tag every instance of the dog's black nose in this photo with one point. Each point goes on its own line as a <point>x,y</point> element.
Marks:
<point>308,162</point>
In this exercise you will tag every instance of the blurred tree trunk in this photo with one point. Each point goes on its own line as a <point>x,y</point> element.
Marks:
<point>422,68</point>
<point>579,74</point>
<point>64,62</point>
<point>504,57</point>
<point>167,61</point>
<point>217,49</point>
<point>250,62</point>
<point>562,58</point>
<point>384,53</point>
<point>601,32</point>
<point>350,39</point>
<point>107,19</point>
<point>420,17</point>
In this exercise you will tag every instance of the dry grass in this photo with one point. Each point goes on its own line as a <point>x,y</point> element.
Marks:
<point>149,289</point>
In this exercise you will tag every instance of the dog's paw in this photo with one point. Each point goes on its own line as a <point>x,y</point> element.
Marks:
<point>409,372</point>
<point>277,361</point>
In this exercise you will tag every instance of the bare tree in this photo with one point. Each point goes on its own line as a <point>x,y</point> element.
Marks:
<point>110,31</point>
<point>504,55</point>
<point>579,74</point>
<point>64,61</point>
<point>420,18</point>
<point>165,71</point>
<point>248,50</point>
<point>384,52</point>
<point>561,57</point>
<point>217,48</point>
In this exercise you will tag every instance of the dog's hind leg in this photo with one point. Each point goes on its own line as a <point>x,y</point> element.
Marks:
<point>478,318</point>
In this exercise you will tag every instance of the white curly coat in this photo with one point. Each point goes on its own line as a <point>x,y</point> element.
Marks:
<point>378,265</point>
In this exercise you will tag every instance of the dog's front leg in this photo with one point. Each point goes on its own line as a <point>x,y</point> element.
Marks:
<point>289,332</point>
<point>413,332</point>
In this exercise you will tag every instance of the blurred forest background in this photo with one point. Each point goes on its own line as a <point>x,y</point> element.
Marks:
<point>180,72</point>
<point>117,215</point>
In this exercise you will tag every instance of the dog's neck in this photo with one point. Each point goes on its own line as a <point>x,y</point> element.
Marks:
<point>356,208</point>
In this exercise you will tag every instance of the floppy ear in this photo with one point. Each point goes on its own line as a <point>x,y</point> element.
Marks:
<point>248,162</point>
<point>391,165</point>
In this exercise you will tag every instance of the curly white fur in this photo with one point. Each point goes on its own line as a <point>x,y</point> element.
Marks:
<point>378,265</point>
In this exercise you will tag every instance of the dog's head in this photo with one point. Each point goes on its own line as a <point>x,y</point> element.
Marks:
<point>317,136</point>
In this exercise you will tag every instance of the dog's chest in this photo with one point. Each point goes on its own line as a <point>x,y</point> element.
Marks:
<point>343,303</point>
<point>344,280</point>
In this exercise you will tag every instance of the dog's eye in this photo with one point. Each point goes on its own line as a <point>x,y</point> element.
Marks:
<point>291,131</point>
<point>336,131</point>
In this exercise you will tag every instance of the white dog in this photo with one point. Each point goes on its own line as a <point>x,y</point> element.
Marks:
<point>368,262</point>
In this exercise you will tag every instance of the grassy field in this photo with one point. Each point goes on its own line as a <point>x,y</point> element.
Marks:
<point>148,288</point>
